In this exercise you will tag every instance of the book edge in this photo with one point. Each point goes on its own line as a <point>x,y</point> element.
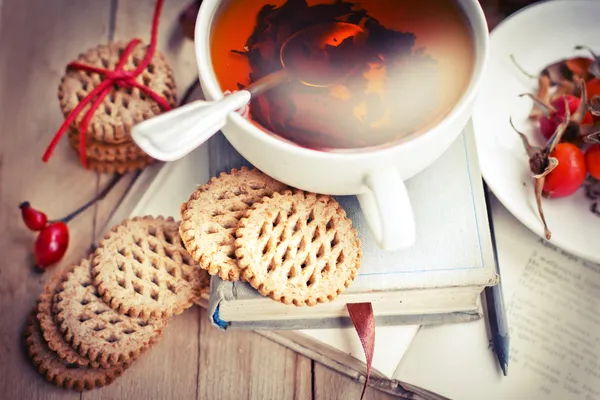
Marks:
<point>480,205</point>
<point>342,322</point>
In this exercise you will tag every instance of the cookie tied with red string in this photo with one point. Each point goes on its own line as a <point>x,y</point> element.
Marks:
<point>134,96</point>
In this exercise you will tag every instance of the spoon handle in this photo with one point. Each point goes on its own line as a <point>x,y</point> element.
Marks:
<point>268,82</point>
<point>171,136</point>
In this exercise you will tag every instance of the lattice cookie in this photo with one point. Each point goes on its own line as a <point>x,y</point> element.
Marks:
<point>60,372</point>
<point>210,217</point>
<point>94,329</point>
<point>47,322</point>
<point>126,151</point>
<point>122,108</point>
<point>142,269</point>
<point>298,248</point>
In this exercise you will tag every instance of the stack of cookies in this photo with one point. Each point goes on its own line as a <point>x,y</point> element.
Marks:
<point>95,319</point>
<point>296,247</point>
<point>109,146</point>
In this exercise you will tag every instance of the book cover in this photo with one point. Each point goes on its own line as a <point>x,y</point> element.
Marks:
<point>453,252</point>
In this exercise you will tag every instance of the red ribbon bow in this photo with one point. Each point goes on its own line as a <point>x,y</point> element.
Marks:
<point>117,77</point>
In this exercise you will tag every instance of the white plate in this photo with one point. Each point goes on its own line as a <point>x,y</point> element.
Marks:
<point>537,36</point>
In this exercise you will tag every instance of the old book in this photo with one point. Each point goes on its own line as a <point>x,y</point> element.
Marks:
<point>161,189</point>
<point>439,280</point>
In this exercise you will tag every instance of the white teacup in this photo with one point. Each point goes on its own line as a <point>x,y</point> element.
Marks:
<point>376,177</point>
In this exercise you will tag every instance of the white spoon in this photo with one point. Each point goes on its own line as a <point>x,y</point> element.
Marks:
<point>172,135</point>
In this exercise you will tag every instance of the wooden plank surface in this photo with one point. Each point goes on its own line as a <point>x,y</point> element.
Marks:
<point>36,40</point>
<point>250,367</point>
<point>192,360</point>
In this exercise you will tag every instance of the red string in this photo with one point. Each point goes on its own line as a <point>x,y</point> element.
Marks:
<point>364,322</point>
<point>117,77</point>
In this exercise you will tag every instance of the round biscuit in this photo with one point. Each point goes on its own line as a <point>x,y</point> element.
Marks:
<point>210,217</point>
<point>298,248</point>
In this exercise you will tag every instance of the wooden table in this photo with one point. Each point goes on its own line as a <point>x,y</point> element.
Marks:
<point>193,360</point>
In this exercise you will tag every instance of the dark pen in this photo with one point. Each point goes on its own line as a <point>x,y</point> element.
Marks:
<point>496,312</point>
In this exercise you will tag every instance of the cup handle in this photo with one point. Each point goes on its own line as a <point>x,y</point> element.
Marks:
<point>388,211</point>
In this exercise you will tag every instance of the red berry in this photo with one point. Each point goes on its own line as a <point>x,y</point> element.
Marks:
<point>549,124</point>
<point>570,173</point>
<point>34,219</point>
<point>592,161</point>
<point>51,245</point>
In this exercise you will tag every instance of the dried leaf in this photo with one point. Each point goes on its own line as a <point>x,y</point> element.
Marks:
<point>582,109</point>
<point>566,69</point>
<point>590,134</point>
<point>541,164</point>
<point>560,131</point>
<point>541,101</point>
<point>539,181</point>
<point>579,66</point>
<point>594,67</point>
<point>558,72</point>
<point>529,148</point>
<point>565,88</point>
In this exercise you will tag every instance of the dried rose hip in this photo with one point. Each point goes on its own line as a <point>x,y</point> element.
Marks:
<point>51,245</point>
<point>554,114</point>
<point>34,220</point>
<point>52,242</point>
<point>569,174</point>
<point>592,161</point>
<point>558,169</point>
<point>548,124</point>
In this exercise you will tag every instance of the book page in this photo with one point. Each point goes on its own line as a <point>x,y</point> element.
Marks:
<point>553,304</point>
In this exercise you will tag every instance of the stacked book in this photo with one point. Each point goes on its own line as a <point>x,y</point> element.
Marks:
<point>439,281</point>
